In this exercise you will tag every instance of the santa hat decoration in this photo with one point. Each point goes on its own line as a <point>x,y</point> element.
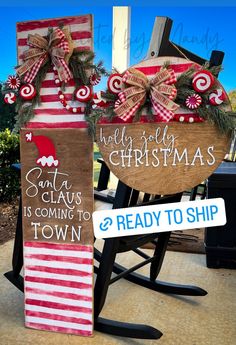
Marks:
<point>46,150</point>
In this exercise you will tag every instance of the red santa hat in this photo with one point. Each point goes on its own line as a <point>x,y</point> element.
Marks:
<point>46,150</point>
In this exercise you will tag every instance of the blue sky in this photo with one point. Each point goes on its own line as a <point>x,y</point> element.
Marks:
<point>199,29</point>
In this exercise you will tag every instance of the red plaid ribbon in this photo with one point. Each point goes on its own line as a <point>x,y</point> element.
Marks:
<point>160,88</point>
<point>55,47</point>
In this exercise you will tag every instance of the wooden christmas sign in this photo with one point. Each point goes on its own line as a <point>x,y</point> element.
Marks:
<point>57,195</point>
<point>167,126</point>
<point>53,84</point>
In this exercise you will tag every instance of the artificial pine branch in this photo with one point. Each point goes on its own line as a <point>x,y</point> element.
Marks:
<point>109,97</point>
<point>215,70</point>
<point>138,114</point>
<point>166,64</point>
<point>25,114</point>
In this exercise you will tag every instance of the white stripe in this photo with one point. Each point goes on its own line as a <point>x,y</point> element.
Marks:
<point>58,323</point>
<point>58,264</point>
<point>68,313</point>
<point>51,105</point>
<point>43,31</point>
<point>54,90</point>
<point>85,42</point>
<point>149,63</point>
<point>184,111</point>
<point>65,277</point>
<point>60,252</point>
<point>53,299</point>
<point>58,288</point>
<point>57,118</point>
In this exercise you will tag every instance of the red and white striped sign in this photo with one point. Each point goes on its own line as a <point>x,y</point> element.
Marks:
<point>58,287</point>
<point>51,113</point>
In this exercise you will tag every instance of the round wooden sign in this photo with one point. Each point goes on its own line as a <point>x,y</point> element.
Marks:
<point>162,157</point>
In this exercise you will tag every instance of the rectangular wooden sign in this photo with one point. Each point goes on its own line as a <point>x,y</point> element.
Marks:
<point>57,196</point>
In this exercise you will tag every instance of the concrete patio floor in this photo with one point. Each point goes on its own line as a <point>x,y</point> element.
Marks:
<point>208,320</point>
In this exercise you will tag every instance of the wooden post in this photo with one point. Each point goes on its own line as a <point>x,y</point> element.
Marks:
<point>120,49</point>
<point>121,35</point>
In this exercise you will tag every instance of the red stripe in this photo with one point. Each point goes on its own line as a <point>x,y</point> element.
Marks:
<point>80,35</point>
<point>67,295</point>
<point>54,98</point>
<point>59,282</point>
<point>79,124</point>
<point>47,245</point>
<point>61,258</point>
<point>58,329</point>
<point>150,70</point>
<point>50,83</point>
<point>57,317</point>
<point>55,305</point>
<point>40,24</point>
<point>77,35</point>
<point>53,111</point>
<point>59,271</point>
<point>82,48</point>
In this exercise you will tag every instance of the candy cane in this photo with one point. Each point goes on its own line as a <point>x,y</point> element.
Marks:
<point>99,101</point>
<point>203,81</point>
<point>94,79</point>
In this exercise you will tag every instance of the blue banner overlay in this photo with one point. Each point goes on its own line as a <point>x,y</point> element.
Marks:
<point>159,218</point>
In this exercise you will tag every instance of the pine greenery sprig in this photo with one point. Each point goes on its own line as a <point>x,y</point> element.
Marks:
<point>25,114</point>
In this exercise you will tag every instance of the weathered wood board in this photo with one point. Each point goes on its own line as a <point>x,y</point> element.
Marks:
<point>162,158</point>
<point>57,196</point>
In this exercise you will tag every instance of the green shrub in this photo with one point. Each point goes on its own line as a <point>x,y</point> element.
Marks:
<point>9,154</point>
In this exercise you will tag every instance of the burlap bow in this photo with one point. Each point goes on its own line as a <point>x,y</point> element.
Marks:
<point>56,47</point>
<point>159,89</point>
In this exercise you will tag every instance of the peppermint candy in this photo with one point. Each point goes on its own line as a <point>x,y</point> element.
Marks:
<point>217,97</point>
<point>13,82</point>
<point>193,101</point>
<point>10,98</point>
<point>115,83</point>
<point>83,93</point>
<point>27,92</point>
<point>94,79</point>
<point>203,81</point>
